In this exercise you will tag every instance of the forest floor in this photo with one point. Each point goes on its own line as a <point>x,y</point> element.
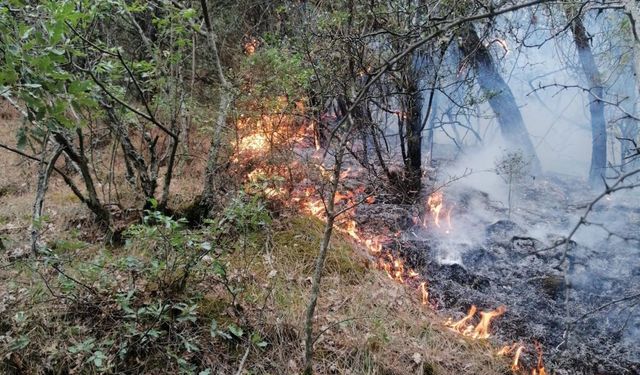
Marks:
<point>90,308</point>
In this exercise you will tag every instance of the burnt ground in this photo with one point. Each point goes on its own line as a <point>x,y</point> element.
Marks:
<point>490,258</point>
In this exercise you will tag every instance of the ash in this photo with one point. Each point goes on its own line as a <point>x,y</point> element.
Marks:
<point>578,299</point>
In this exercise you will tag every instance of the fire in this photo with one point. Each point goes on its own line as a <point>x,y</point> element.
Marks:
<point>481,330</point>
<point>507,349</point>
<point>259,135</point>
<point>461,325</point>
<point>315,207</point>
<point>351,229</point>
<point>515,366</point>
<point>434,202</point>
<point>254,142</point>
<point>540,366</point>
<point>373,245</point>
<point>424,293</point>
<point>436,209</point>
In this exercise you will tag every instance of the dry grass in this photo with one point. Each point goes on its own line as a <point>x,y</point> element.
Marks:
<point>370,324</point>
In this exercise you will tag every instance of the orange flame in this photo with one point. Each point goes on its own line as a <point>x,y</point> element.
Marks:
<point>435,207</point>
<point>540,366</point>
<point>482,329</point>
<point>424,293</point>
<point>373,245</point>
<point>515,366</point>
<point>507,349</point>
<point>461,325</point>
<point>434,202</point>
<point>351,229</point>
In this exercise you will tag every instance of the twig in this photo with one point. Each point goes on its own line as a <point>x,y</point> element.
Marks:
<point>244,359</point>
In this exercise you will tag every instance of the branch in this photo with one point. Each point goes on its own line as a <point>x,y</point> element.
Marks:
<point>66,178</point>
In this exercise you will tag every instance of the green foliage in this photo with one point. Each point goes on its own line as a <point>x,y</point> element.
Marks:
<point>274,71</point>
<point>173,251</point>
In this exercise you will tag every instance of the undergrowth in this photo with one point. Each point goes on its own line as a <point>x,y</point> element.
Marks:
<point>227,297</point>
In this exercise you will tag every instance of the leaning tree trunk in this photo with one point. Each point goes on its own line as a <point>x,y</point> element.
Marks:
<point>596,105</point>
<point>500,97</point>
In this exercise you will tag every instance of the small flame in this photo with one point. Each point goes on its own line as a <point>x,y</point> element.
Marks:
<point>540,366</point>
<point>482,329</point>
<point>351,229</point>
<point>507,349</point>
<point>438,212</point>
<point>515,366</point>
<point>424,293</point>
<point>434,202</point>
<point>461,325</point>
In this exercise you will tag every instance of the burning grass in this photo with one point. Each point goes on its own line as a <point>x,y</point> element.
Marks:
<point>368,322</point>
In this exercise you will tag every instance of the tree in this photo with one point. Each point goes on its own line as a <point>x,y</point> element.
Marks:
<point>498,94</point>
<point>596,95</point>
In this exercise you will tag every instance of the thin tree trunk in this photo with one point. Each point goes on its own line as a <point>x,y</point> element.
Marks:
<point>633,10</point>
<point>44,172</point>
<point>320,260</point>
<point>223,109</point>
<point>324,246</point>
<point>500,97</point>
<point>168,176</point>
<point>596,106</point>
<point>413,128</point>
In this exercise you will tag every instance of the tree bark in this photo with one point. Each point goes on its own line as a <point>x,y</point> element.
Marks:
<point>44,172</point>
<point>224,105</point>
<point>596,105</point>
<point>103,216</point>
<point>500,97</point>
<point>633,10</point>
<point>320,260</point>
<point>413,128</point>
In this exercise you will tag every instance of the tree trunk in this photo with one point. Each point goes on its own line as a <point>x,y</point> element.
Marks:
<point>44,172</point>
<point>633,10</point>
<point>500,97</point>
<point>413,128</point>
<point>103,216</point>
<point>596,105</point>
<point>322,256</point>
<point>225,101</point>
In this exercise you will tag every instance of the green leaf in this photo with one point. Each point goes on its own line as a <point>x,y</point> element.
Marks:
<point>20,317</point>
<point>98,358</point>
<point>257,340</point>
<point>153,202</point>
<point>235,330</point>
<point>19,343</point>
<point>213,328</point>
